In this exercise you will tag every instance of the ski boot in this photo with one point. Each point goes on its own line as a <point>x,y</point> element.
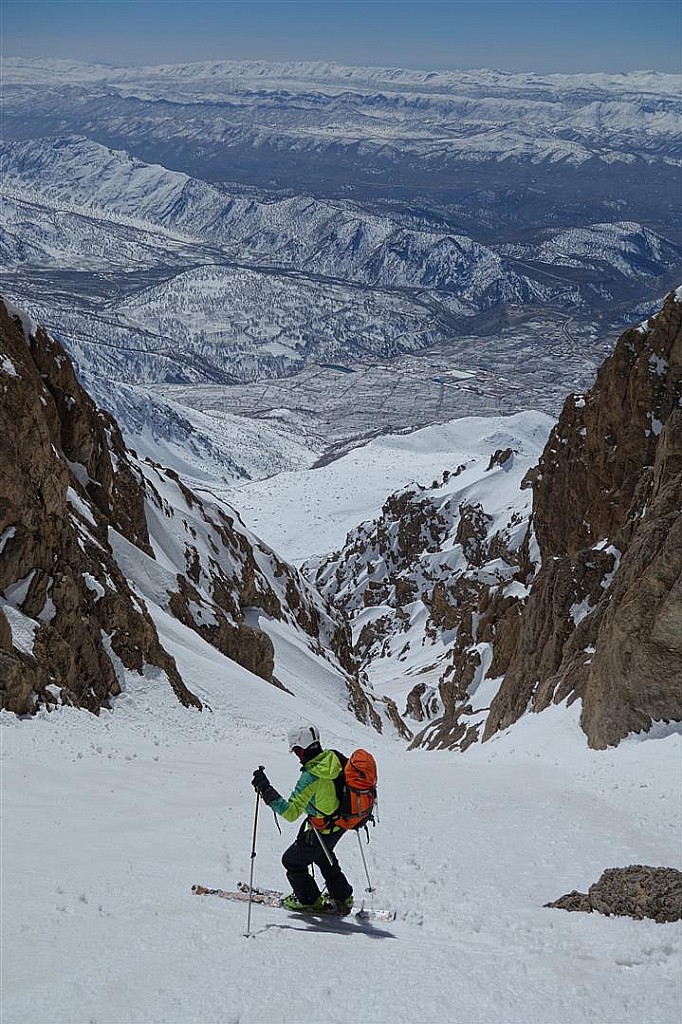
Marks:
<point>293,903</point>
<point>339,907</point>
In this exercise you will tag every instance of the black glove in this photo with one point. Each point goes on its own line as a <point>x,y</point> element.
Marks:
<point>265,790</point>
<point>260,781</point>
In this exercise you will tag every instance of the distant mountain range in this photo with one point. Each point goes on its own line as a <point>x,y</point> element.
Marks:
<point>153,275</point>
<point>437,118</point>
<point>227,222</point>
<point>482,154</point>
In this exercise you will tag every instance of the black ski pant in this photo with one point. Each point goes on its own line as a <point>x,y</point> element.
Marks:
<point>307,850</point>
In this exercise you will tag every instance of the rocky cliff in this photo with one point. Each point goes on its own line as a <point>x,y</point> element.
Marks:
<point>92,539</point>
<point>569,588</point>
<point>438,575</point>
<point>604,618</point>
<point>67,613</point>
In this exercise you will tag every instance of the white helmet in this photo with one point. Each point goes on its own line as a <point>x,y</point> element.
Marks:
<point>303,736</point>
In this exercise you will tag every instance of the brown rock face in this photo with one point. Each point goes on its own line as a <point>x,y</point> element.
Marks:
<point>249,647</point>
<point>230,576</point>
<point>67,609</point>
<point>80,516</point>
<point>604,617</point>
<point>376,566</point>
<point>472,532</point>
<point>637,891</point>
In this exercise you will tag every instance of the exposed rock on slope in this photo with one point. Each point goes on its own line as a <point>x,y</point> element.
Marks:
<point>604,618</point>
<point>492,604</point>
<point>92,539</point>
<point>436,576</point>
<point>637,891</point>
<point>67,612</point>
<point>598,612</point>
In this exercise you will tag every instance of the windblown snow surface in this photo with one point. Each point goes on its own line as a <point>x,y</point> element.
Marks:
<point>109,820</point>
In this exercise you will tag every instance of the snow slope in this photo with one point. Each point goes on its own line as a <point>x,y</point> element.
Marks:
<point>109,821</point>
<point>202,447</point>
<point>308,512</point>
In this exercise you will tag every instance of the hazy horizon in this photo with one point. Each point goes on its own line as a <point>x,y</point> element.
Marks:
<point>564,37</point>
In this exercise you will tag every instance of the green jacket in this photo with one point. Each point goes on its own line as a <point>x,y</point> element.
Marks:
<point>315,793</point>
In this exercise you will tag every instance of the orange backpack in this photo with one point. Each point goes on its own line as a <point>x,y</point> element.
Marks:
<point>356,788</point>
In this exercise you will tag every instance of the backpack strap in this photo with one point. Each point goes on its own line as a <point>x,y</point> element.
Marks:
<point>340,779</point>
<point>342,759</point>
<point>327,822</point>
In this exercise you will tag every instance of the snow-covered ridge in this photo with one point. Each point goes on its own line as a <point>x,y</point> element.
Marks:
<point>268,284</point>
<point>35,70</point>
<point>433,118</point>
<point>248,286</point>
<point>406,575</point>
<point>324,237</point>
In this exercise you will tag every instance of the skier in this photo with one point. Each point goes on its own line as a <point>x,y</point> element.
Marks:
<point>315,795</point>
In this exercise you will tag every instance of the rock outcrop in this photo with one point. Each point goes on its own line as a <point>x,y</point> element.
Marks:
<point>575,596</point>
<point>417,582</point>
<point>92,538</point>
<point>595,609</point>
<point>67,613</point>
<point>637,891</point>
<point>604,618</point>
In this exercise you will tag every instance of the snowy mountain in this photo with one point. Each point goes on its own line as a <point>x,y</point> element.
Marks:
<point>103,553</point>
<point>439,118</point>
<point>110,819</point>
<point>229,550</point>
<point>225,282</point>
<point>118,580</point>
<point>628,249</point>
<point>228,222</point>
<point>484,155</point>
<point>206,449</point>
<point>328,238</point>
<point>150,275</point>
<point>446,583</point>
<point>413,578</point>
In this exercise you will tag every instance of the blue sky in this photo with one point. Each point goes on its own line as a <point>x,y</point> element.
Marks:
<point>546,35</point>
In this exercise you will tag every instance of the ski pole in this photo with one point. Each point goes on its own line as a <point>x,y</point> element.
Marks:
<point>247,933</point>
<point>362,854</point>
<point>327,853</point>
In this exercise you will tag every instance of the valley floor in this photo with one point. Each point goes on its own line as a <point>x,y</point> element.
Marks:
<point>533,362</point>
<point>109,821</point>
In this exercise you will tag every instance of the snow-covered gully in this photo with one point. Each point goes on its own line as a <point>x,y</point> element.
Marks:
<point>109,821</point>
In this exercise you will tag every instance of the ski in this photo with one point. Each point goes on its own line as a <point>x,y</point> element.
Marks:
<point>270,899</point>
<point>274,898</point>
